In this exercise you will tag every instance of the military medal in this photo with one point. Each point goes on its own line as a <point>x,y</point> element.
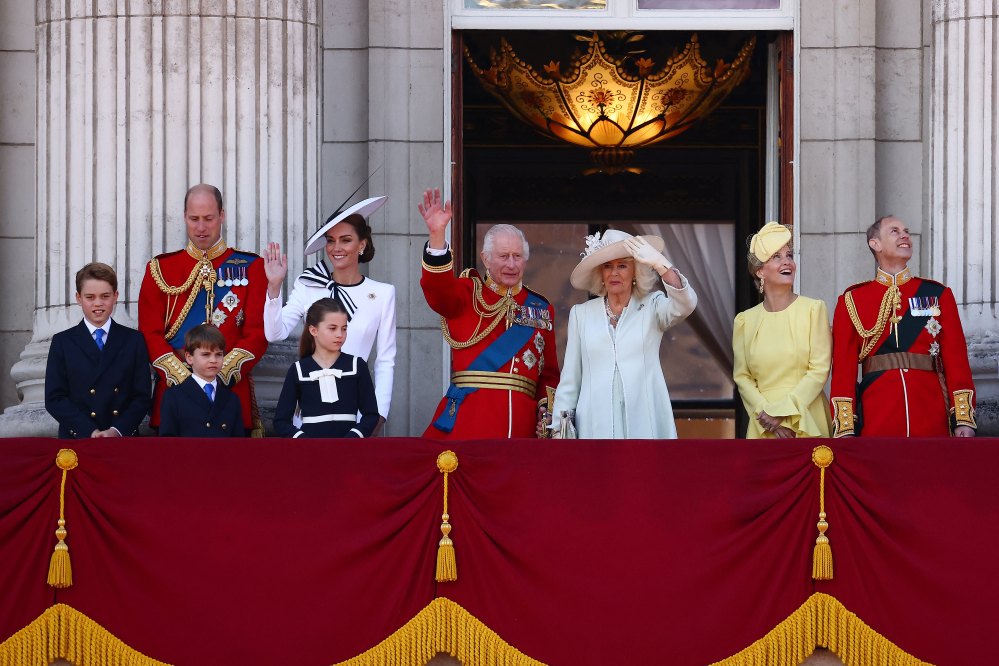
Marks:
<point>924,306</point>
<point>230,301</point>
<point>220,282</point>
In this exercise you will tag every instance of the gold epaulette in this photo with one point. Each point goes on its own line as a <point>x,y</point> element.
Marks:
<point>963,409</point>
<point>172,368</point>
<point>844,420</point>
<point>232,363</point>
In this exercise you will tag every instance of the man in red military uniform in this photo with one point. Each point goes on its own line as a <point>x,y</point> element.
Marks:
<point>906,335</point>
<point>206,282</point>
<point>503,358</point>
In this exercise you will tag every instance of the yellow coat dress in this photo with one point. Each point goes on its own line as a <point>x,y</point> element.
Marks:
<point>781,362</point>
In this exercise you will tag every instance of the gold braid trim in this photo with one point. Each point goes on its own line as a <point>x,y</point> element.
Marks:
<point>232,365</point>
<point>203,275</point>
<point>499,311</point>
<point>443,626</point>
<point>62,632</point>
<point>449,266</point>
<point>822,621</point>
<point>889,304</point>
<point>963,411</point>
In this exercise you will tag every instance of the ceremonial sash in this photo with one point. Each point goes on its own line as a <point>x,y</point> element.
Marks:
<point>909,328</point>
<point>489,359</point>
<point>234,269</point>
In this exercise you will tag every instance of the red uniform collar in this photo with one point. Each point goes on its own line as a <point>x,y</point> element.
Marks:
<point>214,252</point>
<point>897,280</point>
<point>500,289</point>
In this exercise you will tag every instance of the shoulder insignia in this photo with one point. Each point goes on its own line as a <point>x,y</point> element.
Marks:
<point>470,273</point>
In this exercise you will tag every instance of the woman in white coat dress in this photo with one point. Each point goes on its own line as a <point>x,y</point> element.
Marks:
<point>612,376</point>
<point>346,239</point>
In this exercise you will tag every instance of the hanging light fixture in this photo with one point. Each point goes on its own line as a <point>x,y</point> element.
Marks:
<point>612,105</point>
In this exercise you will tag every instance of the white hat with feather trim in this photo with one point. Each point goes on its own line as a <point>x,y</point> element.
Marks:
<point>600,250</point>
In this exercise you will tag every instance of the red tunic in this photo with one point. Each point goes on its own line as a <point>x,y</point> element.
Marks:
<point>239,316</point>
<point>900,402</point>
<point>488,413</point>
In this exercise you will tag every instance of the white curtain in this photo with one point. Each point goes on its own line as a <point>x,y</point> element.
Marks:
<point>705,254</point>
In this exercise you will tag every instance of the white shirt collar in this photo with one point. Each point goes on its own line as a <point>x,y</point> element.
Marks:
<point>106,327</point>
<point>202,382</point>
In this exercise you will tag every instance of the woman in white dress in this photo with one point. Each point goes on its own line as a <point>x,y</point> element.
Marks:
<point>346,238</point>
<point>612,376</point>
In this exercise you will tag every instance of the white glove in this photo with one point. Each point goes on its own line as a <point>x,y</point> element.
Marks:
<point>644,253</point>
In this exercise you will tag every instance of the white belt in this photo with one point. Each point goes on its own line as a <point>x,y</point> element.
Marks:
<point>326,418</point>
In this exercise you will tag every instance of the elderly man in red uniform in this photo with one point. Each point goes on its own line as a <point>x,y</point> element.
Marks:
<point>503,356</point>
<point>206,282</point>
<point>906,335</point>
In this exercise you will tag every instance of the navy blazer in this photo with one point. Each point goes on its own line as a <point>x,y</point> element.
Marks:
<point>87,389</point>
<point>187,412</point>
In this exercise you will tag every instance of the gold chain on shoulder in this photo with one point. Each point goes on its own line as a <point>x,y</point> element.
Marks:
<point>890,302</point>
<point>499,311</point>
<point>203,275</point>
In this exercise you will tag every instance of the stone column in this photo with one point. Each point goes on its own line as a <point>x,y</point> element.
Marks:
<point>964,192</point>
<point>390,118</point>
<point>136,101</point>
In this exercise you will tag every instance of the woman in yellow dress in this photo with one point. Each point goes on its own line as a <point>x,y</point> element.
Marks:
<point>782,347</point>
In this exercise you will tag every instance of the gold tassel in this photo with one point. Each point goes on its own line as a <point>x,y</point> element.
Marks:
<point>60,567</point>
<point>822,560</point>
<point>447,569</point>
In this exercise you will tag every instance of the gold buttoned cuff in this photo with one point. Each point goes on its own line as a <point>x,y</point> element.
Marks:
<point>963,409</point>
<point>844,420</point>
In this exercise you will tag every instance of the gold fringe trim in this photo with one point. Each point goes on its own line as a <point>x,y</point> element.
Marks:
<point>443,626</point>
<point>822,621</point>
<point>62,632</point>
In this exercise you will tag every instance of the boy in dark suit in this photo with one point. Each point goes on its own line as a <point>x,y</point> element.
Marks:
<point>202,406</point>
<point>97,380</point>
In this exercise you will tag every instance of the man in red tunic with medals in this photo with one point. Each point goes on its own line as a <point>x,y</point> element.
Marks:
<point>206,282</point>
<point>503,358</point>
<point>905,334</point>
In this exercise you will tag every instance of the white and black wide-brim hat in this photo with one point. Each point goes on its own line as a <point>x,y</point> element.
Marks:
<point>364,208</point>
<point>600,250</point>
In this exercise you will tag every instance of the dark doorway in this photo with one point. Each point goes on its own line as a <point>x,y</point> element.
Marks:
<point>702,190</point>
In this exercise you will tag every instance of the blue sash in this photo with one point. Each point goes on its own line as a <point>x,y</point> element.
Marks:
<point>489,359</point>
<point>234,264</point>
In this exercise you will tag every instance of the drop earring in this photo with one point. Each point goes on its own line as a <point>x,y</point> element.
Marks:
<point>761,285</point>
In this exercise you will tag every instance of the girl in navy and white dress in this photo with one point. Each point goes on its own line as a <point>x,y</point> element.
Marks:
<point>332,389</point>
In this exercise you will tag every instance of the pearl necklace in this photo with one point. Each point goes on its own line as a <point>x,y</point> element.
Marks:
<point>610,315</point>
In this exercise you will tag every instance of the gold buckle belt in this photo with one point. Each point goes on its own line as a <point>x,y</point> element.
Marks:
<point>504,381</point>
<point>899,360</point>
